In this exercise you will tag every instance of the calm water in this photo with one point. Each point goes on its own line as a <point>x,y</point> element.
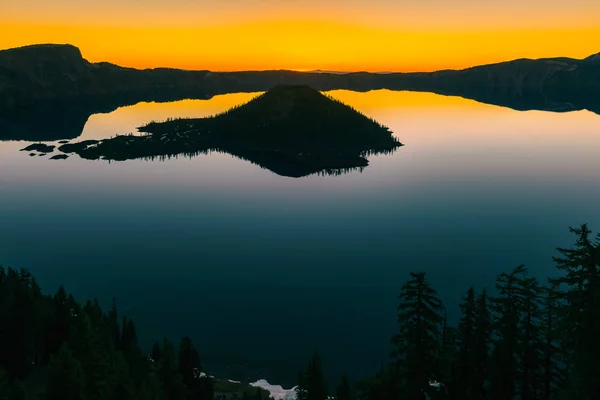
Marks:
<point>263,270</point>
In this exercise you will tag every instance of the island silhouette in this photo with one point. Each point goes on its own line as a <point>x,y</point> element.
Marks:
<point>292,130</point>
<point>49,91</point>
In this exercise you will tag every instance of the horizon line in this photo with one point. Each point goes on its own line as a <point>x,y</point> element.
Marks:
<point>300,70</point>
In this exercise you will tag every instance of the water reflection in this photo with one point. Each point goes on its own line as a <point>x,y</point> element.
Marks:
<point>66,119</point>
<point>214,246</point>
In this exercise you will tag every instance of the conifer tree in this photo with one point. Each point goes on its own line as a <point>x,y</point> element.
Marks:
<point>507,307</point>
<point>5,387</point>
<point>190,368</point>
<point>114,331</point>
<point>581,293</point>
<point>377,387</point>
<point>156,353</point>
<point>171,382</point>
<point>65,377</point>
<point>87,349</point>
<point>189,363</point>
<point>312,384</point>
<point>150,389</point>
<point>447,358</point>
<point>343,391</point>
<point>481,346</point>
<point>553,374</point>
<point>466,342</point>
<point>530,345</point>
<point>416,346</point>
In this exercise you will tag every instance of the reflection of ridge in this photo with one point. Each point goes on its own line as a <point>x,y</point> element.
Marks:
<point>56,120</point>
<point>66,119</point>
<point>48,122</point>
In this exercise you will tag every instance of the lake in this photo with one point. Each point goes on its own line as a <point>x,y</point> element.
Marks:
<point>262,270</point>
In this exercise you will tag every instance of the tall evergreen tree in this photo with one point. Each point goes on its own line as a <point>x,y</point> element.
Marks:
<point>206,388</point>
<point>379,386</point>
<point>446,371</point>
<point>581,285</point>
<point>5,387</point>
<point>156,353</point>
<point>171,381</point>
<point>343,391</point>
<point>481,346</point>
<point>312,384</point>
<point>553,355</point>
<point>189,363</point>
<point>190,368</point>
<point>66,380</point>
<point>87,349</point>
<point>61,320</point>
<point>507,307</point>
<point>114,331</point>
<point>416,346</point>
<point>530,340</point>
<point>466,361</point>
<point>18,323</point>
<point>150,389</point>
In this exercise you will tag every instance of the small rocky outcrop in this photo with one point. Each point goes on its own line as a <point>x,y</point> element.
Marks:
<point>41,147</point>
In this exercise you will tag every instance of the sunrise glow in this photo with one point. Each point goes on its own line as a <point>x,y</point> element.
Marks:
<point>351,36</point>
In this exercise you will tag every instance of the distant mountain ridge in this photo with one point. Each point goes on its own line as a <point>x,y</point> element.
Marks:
<point>593,58</point>
<point>35,79</point>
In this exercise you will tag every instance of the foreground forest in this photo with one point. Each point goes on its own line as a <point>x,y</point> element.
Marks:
<point>527,340</point>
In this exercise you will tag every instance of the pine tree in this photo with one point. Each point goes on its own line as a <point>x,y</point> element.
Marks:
<point>94,312</point>
<point>86,348</point>
<point>171,381</point>
<point>65,377</point>
<point>507,307</point>
<point>530,345</point>
<point>581,266</point>
<point>156,353</point>
<point>206,388</point>
<point>189,363</point>
<point>62,315</point>
<point>481,346</point>
<point>114,331</point>
<point>553,375</point>
<point>18,323</point>
<point>343,390</point>
<point>5,387</point>
<point>377,387</point>
<point>466,341</point>
<point>190,368</point>
<point>416,346</point>
<point>312,384</point>
<point>150,389</point>
<point>447,369</point>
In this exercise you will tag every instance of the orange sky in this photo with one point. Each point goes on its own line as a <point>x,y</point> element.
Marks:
<point>371,35</point>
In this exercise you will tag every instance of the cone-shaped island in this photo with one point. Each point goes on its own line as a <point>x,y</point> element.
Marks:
<point>290,130</point>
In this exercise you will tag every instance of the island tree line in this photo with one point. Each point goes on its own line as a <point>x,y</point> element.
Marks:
<point>528,341</point>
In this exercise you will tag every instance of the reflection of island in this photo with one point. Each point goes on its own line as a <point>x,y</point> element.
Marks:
<point>290,130</point>
<point>48,92</point>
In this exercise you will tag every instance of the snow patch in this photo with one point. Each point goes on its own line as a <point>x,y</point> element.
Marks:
<point>276,392</point>
<point>229,380</point>
<point>435,384</point>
